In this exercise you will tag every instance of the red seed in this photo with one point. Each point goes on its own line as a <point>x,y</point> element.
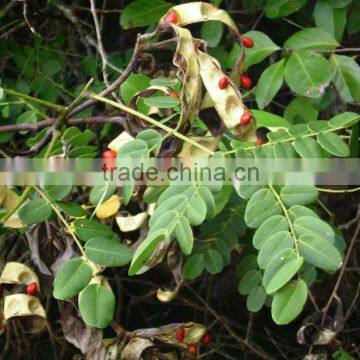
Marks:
<point>180,334</point>
<point>223,82</point>
<point>174,94</point>
<point>172,17</point>
<point>260,142</point>
<point>109,154</point>
<point>206,339</point>
<point>248,42</point>
<point>31,288</point>
<point>246,118</point>
<point>192,349</point>
<point>246,82</point>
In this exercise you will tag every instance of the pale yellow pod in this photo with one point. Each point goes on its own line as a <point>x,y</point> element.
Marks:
<point>191,151</point>
<point>119,141</point>
<point>17,273</point>
<point>131,223</point>
<point>23,305</point>
<point>109,208</point>
<point>199,11</point>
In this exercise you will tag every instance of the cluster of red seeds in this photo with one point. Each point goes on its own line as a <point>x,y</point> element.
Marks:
<point>192,348</point>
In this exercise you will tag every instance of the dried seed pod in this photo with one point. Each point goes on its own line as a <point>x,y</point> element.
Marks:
<point>109,208</point>
<point>17,273</point>
<point>130,223</point>
<point>119,141</point>
<point>23,305</point>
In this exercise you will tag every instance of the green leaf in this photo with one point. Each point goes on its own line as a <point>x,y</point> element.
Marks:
<point>152,138</point>
<point>209,200</point>
<point>276,263</point>
<point>300,110</point>
<point>249,281</point>
<point>269,120</point>
<point>333,144</point>
<point>97,305</point>
<point>353,22</point>
<point>298,130</point>
<point>34,212</point>
<point>289,302</point>
<point>345,119</point>
<point>263,47</point>
<point>57,192</point>
<point>256,299</point>
<point>308,148</point>
<point>308,74</point>
<point>72,277</point>
<point>346,78</point>
<point>280,8</point>
<point>107,252</point>
<point>213,261</point>
<point>164,81</point>
<point>276,243</point>
<point>184,235</point>
<point>101,192</point>
<point>51,67</point>
<point>308,225</point>
<point>162,101</point>
<point>338,3</point>
<point>319,252</point>
<point>298,195</point>
<point>330,19</point>
<point>194,266</point>
<point>145,250</point>
<point>133,149</point>
<point>249,262</point>
<point>142,13</point>
<point>311,39</point>
<point>284,275</point>
<point>260,207</point>
<point>211,32</point>
<point>71,209</point>
<point>268,228</point>
<point>87,229</point>
<point>269,83</point>
<point>284,150</point>
<point>133,84</point>
<point>26,117</point>
<point>297,211</point>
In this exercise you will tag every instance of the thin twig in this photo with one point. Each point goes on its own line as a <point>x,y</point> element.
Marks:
<point>333,191</point>
<point>221,319</point>
<point>152,121</point>
<point>342,272</point>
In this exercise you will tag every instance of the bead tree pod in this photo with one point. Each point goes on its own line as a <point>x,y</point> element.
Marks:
<point>91,253</point>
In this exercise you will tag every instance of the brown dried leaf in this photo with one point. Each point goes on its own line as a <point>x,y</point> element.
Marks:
<point>89,340</point>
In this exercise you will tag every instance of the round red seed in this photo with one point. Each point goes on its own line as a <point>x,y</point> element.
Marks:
<point>172,17</point>
<point>206,339</point>
<point>246,82</point>
<point>260,142</point>
<point>246,118</point>
<point>223,82</point>
<point>109,154</point>
<point>248,42</point>
<point>174,94</point>
<point>31,288</point>
<point>192,349</point>
<point>180,334</point>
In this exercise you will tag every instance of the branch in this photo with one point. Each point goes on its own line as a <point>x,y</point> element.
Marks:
<point>49,122</point>
<point>342,272</point>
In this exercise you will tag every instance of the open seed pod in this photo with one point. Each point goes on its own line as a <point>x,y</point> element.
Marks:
<point>17,273</point>
<point>26,307</point>
<point>119,141</point>
<point>128,223</point>
<point>109,208</point>
<point>167,334</point>
<point>8,199</point>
